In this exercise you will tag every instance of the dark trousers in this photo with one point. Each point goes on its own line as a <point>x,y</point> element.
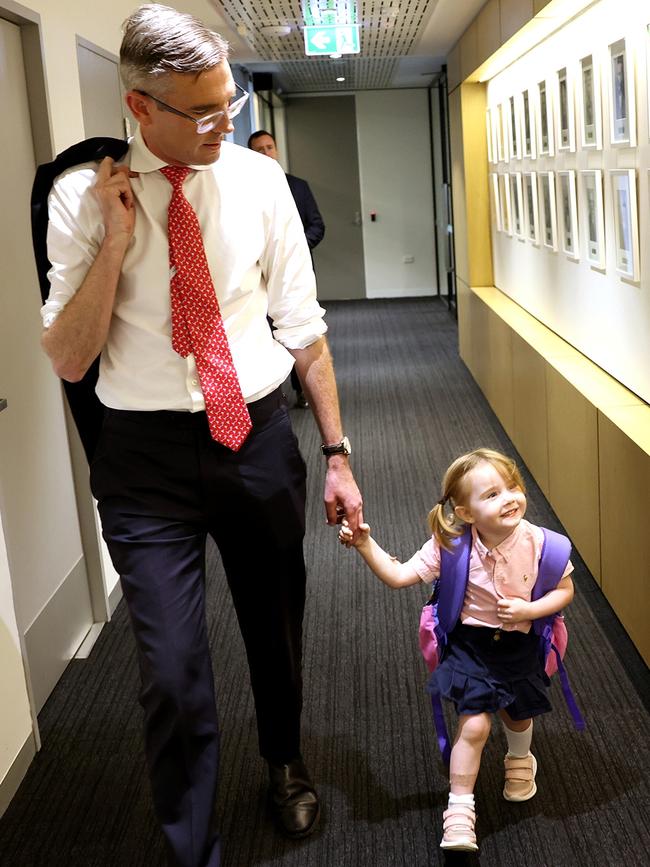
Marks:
<point>163,484</point>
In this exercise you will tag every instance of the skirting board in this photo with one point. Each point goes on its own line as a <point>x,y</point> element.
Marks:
<point>16,773</point>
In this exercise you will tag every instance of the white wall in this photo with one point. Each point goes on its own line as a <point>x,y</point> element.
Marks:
<point>396,183</point>
<point>15,718</point>
<point>602,314</point>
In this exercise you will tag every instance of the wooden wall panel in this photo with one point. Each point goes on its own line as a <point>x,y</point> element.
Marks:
<point>573,465</point>
<point>514,14</point>
<point>489,30</point>
<point>529,394</point>
<point>624,494</point>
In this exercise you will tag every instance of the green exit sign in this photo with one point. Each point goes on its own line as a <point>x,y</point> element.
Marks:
<point>332,39</point>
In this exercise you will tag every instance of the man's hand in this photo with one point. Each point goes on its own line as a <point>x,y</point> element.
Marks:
<point>342,496</point>
<point>513,610</point>
<point>113,192</point>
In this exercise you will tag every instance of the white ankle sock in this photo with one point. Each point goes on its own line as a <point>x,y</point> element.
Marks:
<point>519,742</point>
<point>465,800</point>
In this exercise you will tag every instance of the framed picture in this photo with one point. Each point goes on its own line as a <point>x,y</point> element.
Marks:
<point>647,66</point>
<point>506,208</point>
<point>502,140</point>
<point>593,217</point>
<point>591,111</point>
<point>549,216</point>
<point>515,130</point>
<point>622,101</point>
<point>488,135</point>
<point>495,204</point>
<point>529,145</point>
<point>566,136</point>
<point>568,214</point>
<point>531,213</point>
<point>545,142</point>
<point>626,225</point>
<point>517,207</point>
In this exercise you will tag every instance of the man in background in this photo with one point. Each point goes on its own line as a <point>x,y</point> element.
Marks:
<point>264,143</point>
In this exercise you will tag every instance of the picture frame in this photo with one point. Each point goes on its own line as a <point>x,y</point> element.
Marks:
<point>514,139</point>
<point>517,203</point>
<point>568,214</point>
<point>626,222</point>
<point>647,66</point>
<point>506,207</point>
<point>528,136</point>
<point>545,138</point>
<point>495,202</point>
<point>548,211</point>
<point>592,217</point>
<point>531,211</point>
<point>622,102</point>
<point>501,138</point>
<point>488,135</point>
<point>564,93</point>
<point>591,109</point>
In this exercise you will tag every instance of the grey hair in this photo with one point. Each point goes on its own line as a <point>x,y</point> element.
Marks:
<point>159,40</point>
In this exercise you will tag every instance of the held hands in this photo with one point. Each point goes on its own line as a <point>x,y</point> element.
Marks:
<point>513,610</point>
<point>343,502</point>
<point>115,196</point>
<point>346,536</point>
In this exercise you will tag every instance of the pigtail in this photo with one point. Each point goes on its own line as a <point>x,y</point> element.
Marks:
<point>444,524</point>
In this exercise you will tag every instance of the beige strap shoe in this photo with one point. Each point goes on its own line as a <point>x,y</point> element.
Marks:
<point>458,828</point>
<point>520,777</point>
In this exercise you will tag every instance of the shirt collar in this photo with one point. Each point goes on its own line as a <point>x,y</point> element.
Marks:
<point>144,161</point>
<point>501,551</point>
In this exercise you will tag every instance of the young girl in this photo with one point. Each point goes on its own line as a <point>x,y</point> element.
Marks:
<point>491,663</point>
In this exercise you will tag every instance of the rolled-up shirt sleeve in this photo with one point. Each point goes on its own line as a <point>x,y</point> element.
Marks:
<point>74,235</point>
<point>426,561</point>
<point>286,264</point>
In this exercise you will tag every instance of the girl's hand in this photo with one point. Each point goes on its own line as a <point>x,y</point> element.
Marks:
<point>346,535</point>
<point>513,610</point>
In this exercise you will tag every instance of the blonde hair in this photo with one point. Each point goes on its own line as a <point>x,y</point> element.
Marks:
<point>443,521</point>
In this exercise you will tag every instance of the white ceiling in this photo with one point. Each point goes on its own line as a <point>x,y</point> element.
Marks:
<point>403,42</point>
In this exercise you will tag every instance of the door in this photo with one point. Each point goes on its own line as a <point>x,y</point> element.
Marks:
<point>322,144</point>
<point>101,93</point>
<point>37,497</point>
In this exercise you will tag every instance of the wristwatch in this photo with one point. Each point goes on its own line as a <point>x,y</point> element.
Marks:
<point>342,448</point>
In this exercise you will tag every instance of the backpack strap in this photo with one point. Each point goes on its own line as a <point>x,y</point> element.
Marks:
<point>449,595</point>
<point>556,550</point>
<point>87,411</point>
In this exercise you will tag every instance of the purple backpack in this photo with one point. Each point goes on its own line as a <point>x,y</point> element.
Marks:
<point>441,613</point>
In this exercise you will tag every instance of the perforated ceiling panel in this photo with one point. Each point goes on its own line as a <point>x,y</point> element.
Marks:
<point>389,29</point>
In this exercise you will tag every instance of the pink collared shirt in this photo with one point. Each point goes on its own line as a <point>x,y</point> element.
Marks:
<point>507,571</point>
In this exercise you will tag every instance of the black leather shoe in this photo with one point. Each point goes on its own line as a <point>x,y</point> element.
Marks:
<point>293,799</point>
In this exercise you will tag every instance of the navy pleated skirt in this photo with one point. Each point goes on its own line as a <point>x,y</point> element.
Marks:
<point>484,670</point>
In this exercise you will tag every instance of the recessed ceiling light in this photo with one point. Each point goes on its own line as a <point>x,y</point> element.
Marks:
<point>276,30</point>
<point>335,56</point>
<point>340,78</point>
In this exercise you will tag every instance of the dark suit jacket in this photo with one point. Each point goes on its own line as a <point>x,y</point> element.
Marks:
<point>308,209</point>
<point>85,406</point>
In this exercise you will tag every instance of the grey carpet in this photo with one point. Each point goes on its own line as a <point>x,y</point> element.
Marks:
<point>410,406</point>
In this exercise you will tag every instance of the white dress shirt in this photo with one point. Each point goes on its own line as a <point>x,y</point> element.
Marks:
<point>258,258</point>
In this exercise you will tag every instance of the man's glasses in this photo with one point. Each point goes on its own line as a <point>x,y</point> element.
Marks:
<point>210,121</point>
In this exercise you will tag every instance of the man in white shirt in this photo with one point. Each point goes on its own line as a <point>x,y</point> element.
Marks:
<point>161,479</point>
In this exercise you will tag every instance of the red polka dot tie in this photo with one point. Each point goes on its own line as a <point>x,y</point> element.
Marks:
<point>197,326</point>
